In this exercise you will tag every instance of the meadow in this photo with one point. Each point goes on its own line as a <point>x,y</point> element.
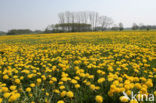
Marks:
<point>90,67</point>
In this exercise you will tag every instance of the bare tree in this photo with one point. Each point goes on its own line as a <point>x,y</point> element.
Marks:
<point>96,20</point>
<point>86,17</point>
<point>83,17</point>
<point>93,18</point>
<point>67,19</point>
<point>135,26</point>
<point>61,19</point>
<point>105,22</point>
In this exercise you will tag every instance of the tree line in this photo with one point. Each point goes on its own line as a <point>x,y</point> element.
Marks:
<point>2,33</point>
<point>81,22</point>
<point>143,27</point>
<point>22,31</point>
<point>90,21</point>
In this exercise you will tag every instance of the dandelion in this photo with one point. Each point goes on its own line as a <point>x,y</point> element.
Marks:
<point>17,81</point>
<point>14,97</point>
<point>1,100</point>
<point>32,85</point>
<point>5,77</point>
<point>70,94</point>
<point>13,87</point>
<point>5,89</point>
<point>155,93</point>
<point>133,101</point>
<point>62,87</point>
<point>6,95</point>
<point>101,80</point>
<point>60,101</point>
<point>63,93</point>
<point>124,99</point>
<point>47,94</point>
<point>39,80</point>
<point>99,99</point>
<point>28,89</point>
<point>77,86</point>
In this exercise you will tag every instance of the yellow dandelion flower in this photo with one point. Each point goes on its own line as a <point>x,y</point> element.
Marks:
<point>63,93</point>
<point>1,100</point>
<point>99,99</point>
<point>124,99</point>
<point>32,85</point>
<point>28,89</point>
<point>13,87</point>
<point>6,95</point>
<point>70,94</point>
<point>60,101</point>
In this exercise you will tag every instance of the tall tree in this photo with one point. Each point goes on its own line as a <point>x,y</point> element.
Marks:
<point>83,17</point>
<point>135,26</point>
<point>121,27</point>
<point>61,19</point>
<point>93,18</point>
<point>105,22</point>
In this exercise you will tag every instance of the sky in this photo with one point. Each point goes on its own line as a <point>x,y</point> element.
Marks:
<point>38,14</point>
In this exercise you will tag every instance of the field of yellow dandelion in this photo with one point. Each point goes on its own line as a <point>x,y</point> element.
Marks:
<point>91,67</point>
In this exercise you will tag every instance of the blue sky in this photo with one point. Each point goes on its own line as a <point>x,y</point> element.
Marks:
<point>37,14</point>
